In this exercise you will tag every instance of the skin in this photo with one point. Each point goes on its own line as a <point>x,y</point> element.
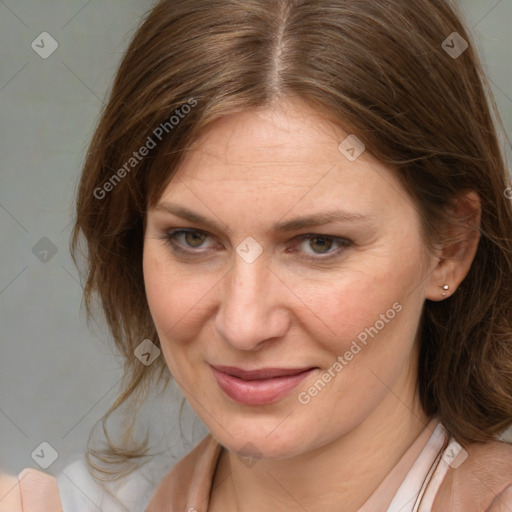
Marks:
<point>284,310</point>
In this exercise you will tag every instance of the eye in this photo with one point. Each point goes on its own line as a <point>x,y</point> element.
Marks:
<point>194,238</point>
<point>322,246</point>
<point>186,240</point>
<point>194,242</point>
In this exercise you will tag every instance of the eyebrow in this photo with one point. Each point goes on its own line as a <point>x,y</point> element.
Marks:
<point>295,224</point>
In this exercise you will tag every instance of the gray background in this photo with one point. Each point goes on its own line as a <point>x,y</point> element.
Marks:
<point>56,376</point>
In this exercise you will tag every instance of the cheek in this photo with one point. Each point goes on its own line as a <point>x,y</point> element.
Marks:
<point>169,299</point>
<point>380,301</point>
<point>348,305</point>
<point>175,298</point>
<point>162,292</point>
<point>156,286</point>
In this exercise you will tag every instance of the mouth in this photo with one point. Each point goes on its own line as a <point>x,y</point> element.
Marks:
<point>258,387</point>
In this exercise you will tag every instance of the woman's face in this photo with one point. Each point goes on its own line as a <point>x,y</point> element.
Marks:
<point>286,279</point>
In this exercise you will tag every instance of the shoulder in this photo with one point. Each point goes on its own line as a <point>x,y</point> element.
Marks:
<point>76,490</point>
<point>30,490</point>
<point>482,482</point>
<point>81,492</point>
<point>10,495</point>
<point>189,481</point>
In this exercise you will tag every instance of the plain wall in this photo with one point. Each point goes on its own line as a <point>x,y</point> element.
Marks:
<point>56,376</point>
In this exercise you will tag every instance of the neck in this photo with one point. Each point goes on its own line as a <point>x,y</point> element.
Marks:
<point>345,472</point>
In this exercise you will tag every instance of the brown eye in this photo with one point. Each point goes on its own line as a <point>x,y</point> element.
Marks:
<point>317,247</point>
<point>186,241</point>
<point>320,244</point>
<point>194,238</point>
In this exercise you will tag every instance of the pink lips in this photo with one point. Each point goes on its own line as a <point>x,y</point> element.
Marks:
<point>258,387</point>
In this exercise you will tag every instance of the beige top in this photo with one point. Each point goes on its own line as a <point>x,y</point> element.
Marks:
<point>434,475</point>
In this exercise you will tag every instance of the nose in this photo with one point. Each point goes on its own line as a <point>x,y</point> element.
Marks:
<point>252,306</point>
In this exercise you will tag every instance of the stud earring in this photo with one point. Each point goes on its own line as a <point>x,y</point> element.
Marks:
<point>445,287</point>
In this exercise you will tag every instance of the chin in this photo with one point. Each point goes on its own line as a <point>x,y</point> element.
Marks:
<point>261,442</point>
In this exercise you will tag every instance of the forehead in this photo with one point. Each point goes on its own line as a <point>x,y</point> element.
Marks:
<point>291,134</point>
<point>280,156</point>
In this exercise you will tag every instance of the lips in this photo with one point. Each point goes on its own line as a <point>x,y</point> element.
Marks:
<point>265,373</point>
<point>260,386</point>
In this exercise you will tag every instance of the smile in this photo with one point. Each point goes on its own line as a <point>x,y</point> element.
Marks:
<point>258,387</point>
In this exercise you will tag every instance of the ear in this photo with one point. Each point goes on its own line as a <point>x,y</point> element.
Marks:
<point>458,250</point>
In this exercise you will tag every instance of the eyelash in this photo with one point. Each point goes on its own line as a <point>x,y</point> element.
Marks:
<point>171,236</point>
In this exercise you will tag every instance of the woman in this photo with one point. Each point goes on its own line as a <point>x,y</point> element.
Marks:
<point>302,207</point>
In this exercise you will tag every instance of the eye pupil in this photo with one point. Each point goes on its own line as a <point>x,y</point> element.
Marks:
<point>324,245</point>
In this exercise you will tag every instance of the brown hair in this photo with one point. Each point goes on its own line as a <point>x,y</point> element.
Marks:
<point>380,71</point>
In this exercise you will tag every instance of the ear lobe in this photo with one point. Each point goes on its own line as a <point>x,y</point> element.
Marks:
<point>458,248</point>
